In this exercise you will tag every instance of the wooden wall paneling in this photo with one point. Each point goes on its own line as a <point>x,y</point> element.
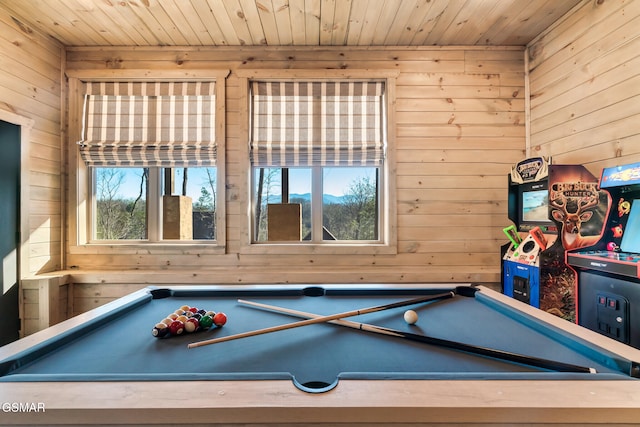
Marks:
<point>586,19</point>
<point>30,87</point>
<point>89,296</point>
<point>586,69</point>
<point>584,87</point>
<point>459,128</point>
<point>618,103</point>
<point>45,301</point>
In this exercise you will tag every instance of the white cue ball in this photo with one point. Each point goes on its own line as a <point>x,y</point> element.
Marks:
<point>411,317</point>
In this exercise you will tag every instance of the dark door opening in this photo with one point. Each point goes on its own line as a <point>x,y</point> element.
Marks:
<point>9,231</point>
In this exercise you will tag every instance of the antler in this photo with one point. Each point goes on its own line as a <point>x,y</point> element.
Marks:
<point>587,203</point>
<point>560,203</point>
<point>583,203</point>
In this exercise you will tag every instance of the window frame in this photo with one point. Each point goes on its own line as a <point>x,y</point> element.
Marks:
<point>80,197</point>
<point>387,196</point>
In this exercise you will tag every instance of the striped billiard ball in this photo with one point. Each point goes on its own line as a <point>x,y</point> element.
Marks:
<point>161,330</point>
<point>191,325</point>
<point>176,327</point>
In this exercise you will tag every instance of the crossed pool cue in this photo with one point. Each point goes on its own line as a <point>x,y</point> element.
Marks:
<point>323,319</point>
<point>337,319</point>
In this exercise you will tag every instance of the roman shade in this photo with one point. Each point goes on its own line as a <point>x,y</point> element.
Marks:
<point>317,123</point>
<point>144,124</point>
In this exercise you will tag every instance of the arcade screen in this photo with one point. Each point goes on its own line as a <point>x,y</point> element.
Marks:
<point>631,237</point>
<point>535,206</point>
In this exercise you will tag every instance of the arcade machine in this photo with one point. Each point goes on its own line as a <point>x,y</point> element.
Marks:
<point>547,204</point>
<point>608,272</point>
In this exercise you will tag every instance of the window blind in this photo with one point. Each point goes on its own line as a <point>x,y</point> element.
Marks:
<point>143,124</point>
<point>297,123</point>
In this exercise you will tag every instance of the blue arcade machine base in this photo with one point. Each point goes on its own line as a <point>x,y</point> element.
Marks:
<point>522,282</point>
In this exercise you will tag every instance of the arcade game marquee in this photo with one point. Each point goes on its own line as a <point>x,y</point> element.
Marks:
<point>609,271</point>
<point>554,208</point>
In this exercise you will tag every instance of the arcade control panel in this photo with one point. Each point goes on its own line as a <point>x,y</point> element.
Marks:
<point>621,263</point>
<point>528,251</point>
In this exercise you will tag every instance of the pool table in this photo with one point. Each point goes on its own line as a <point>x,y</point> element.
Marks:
<point>106,367</point>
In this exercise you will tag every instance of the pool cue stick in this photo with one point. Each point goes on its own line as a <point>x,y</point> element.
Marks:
<point>322,319</point>
<point>483,351</point>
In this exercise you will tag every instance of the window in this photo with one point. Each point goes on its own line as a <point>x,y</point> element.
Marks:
<point>317,155</point>
<point>349,201</point>
<point>188,203</point>
<point>151,156</point>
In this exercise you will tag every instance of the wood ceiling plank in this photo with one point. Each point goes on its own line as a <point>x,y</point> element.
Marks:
<point>220,24</point>
<point>497,18</point>
<point>419,11</point>
<point>159,22</point>
<point>312,22</point>
<point>57,20</point>
<point>428,24</point>
<point>78,11</point>
<point>474,19</point>
<point>340,23</point>
<point>180,22</point>
<point>268,19</point>
<point>356,21</point>
<point>210,23</point>
<point>244,21</point>
<point>327,13</point>
<point>446,21</point>
<point>133,20</point>
<point>370,26</point>
<point>195,20</point>
<point>538,21</point>
<point>289,22</point>
<point>298,29</point>
<point>283,21</point>
<point>513,17</point>
<point>387,18</point>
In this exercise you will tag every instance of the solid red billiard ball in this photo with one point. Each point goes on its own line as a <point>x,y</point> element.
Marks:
<point>176,327</point>
<point>193,310</point>
<point>219,319</point>
<point>191,325</point>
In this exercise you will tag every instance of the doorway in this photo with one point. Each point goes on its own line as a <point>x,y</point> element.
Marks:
<point>9,231</point>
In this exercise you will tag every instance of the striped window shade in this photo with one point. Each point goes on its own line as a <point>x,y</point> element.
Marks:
<point>144,124</point>
<point>297,123</point>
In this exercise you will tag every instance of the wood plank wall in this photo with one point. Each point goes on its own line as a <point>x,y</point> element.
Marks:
<point>30,86</point>
<point>30,89</point>
<point>460,127</point>
<point>585,86</point>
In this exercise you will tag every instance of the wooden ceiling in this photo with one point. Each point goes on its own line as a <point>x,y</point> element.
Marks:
<point>288,22</point>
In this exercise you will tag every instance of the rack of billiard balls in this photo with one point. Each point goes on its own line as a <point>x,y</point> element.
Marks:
<point>188,319</point>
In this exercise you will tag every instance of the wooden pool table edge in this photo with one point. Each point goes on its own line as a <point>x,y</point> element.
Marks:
<point>352,402</point>
<point>386,402</point>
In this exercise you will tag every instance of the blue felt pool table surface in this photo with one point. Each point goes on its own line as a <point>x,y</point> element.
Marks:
<point>119,345</point>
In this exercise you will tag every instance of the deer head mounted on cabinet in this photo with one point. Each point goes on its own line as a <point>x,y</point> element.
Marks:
<point>571,220</point>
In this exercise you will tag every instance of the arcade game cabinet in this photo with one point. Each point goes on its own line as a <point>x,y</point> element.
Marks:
<point>608,272</point>
<point>554,208</point>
